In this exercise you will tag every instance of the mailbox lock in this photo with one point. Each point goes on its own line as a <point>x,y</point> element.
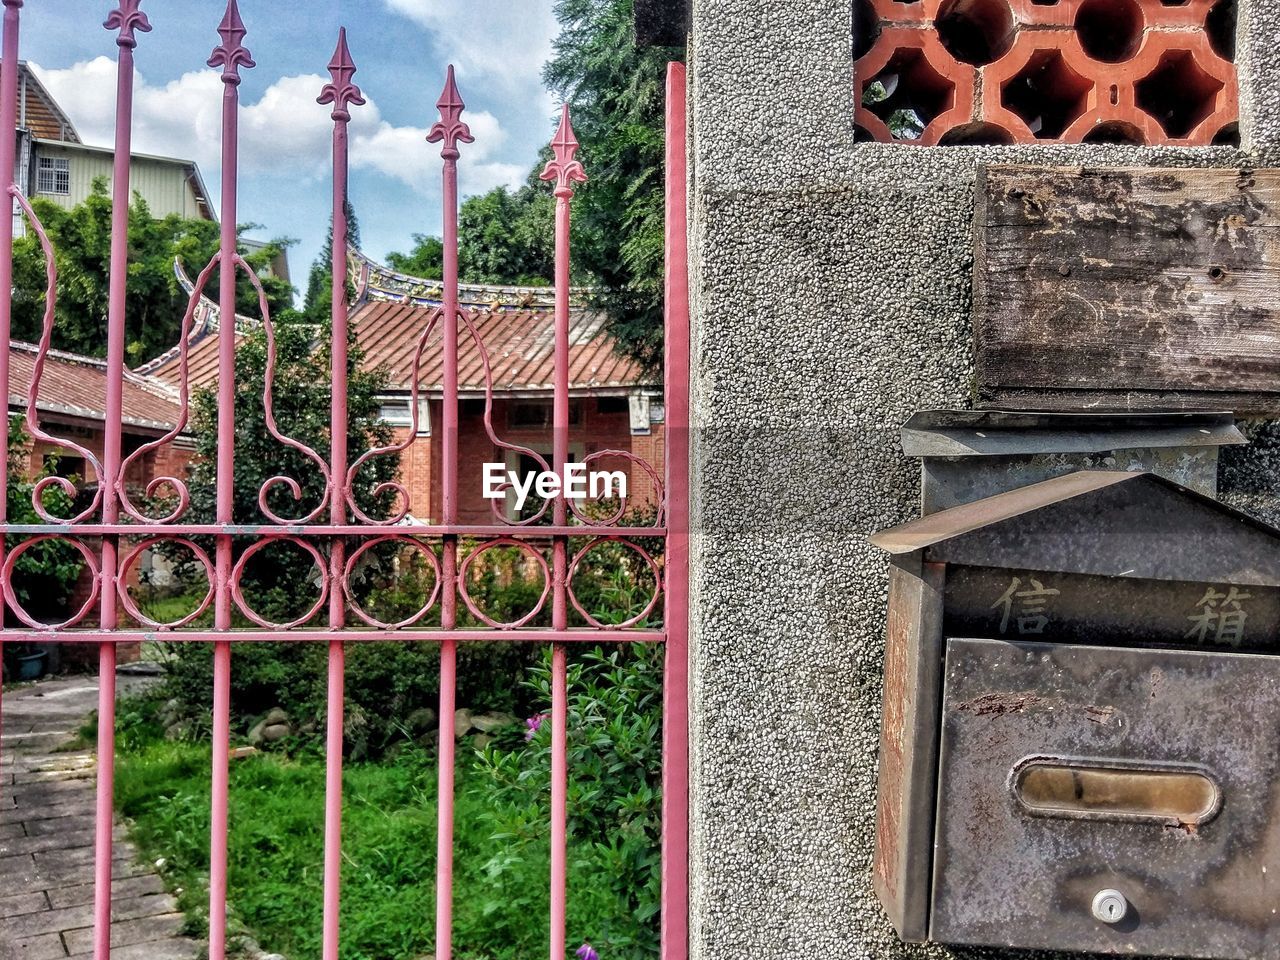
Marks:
<point>1110,906</point>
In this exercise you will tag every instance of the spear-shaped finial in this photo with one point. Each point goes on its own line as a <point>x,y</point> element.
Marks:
<point>564,168</point>
<point>451,128</point>
<point>231,54</point>
<point>127,18</point>
<point>342,91</point>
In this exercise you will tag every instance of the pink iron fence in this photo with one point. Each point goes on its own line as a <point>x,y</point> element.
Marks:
<point>112,532</point>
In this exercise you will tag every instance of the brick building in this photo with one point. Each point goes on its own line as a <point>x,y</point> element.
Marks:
<point>615,405</point>
<point>72,404</point>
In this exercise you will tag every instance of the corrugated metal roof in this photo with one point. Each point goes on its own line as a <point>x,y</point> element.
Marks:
<point>39,112</point>
<point>77,386</point>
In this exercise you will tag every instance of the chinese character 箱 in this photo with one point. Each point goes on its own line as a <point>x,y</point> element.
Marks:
<point>1219,617</point>
<point>1031,605</point>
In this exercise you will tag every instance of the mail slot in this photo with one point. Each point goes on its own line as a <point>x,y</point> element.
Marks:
<point>1080,745</point>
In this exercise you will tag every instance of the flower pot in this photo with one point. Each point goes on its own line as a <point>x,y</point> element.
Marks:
<point>31,665</point>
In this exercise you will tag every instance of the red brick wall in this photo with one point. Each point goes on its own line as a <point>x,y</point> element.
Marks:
<point>420,464</point>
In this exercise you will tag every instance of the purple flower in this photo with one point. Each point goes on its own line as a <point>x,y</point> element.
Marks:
<point>586,952</point>
<point>533,725</point>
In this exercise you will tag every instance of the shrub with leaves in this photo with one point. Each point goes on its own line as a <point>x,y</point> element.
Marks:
<point>46,574</point>
<point>614,798</point>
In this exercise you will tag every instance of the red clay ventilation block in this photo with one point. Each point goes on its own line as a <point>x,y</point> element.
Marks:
<point>1049,71</point>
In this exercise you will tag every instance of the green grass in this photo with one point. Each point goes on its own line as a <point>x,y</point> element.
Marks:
<point>275,855</point>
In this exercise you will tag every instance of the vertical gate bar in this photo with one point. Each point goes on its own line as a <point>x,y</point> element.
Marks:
<point>565,170</point>
<point>675,675</point>
<point>559,798</point>
<point>450,129</point>
<point>231,55</point>
<point>8,157</point>
<point>127,18</point>
<point>341,92</point>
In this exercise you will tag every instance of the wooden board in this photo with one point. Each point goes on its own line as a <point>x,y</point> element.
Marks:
<point>1127,289</point>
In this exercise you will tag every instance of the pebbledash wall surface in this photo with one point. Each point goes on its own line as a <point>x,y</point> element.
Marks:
<point>830,292</point>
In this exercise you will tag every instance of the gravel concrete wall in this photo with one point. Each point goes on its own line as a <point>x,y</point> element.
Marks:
<point>831,298</point>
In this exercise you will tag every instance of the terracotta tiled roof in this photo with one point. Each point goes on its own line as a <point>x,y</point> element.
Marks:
<point>76,386</point>
<point>202,357</point>
<point>517,327</point>
<point>519,344</point>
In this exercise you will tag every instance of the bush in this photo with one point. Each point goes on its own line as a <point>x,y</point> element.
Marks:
<point>45,575</point>
<point>387,683</point>
<point>614,797</point>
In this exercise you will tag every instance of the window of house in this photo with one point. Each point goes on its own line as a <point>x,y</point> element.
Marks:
<point>537,414</point>
<point>395,413</point>
<point>53,175</point>
<point>612,405</point>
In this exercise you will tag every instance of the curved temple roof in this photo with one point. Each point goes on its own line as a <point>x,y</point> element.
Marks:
<point>516,325</point>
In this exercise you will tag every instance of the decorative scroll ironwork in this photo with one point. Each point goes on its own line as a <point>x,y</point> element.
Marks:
<point>37,373</point>
<point>184,407</point>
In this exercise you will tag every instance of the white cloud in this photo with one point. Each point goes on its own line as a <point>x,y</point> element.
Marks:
<point>285,131</point>
<point>508,40</point>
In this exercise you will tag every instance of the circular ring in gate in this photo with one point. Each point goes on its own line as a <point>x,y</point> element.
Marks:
<point>417,545</point>
<point>492,545</point>
<point>644,555</point>
<point>11,596</point>
<point>238,572</point>
<point>132,557</point>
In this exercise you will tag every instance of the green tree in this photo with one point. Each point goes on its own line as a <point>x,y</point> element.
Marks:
<point>317,304</point>
<point>425,259</point>
<point>504,236</point>
<point>81,238</point>
<point>277,580</point>
<point>616,92</point>
<point>508,237</point>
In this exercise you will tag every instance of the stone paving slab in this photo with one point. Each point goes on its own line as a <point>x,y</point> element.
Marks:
<point>47,805</point>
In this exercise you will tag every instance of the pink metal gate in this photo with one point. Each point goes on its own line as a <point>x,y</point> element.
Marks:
<point>112,532</point>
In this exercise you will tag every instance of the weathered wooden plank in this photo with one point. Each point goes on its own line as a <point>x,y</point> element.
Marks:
<point>1128,288</point>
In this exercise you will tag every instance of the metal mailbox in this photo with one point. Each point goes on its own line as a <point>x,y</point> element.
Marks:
<point>1080,744</point>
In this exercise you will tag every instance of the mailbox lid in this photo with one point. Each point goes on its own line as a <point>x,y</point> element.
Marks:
<point>1009,875</point>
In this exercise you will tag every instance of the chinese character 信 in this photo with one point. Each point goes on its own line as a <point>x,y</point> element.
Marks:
<point>1031,605</point>
<point>1219,617</point>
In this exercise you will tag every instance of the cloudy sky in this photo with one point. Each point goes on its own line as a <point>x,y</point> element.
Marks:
<point>401,48</point>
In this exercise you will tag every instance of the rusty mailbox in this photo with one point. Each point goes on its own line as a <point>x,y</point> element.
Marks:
<point>1080,746</point>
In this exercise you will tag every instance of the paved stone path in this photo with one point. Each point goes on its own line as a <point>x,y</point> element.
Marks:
<point>46,840</point>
